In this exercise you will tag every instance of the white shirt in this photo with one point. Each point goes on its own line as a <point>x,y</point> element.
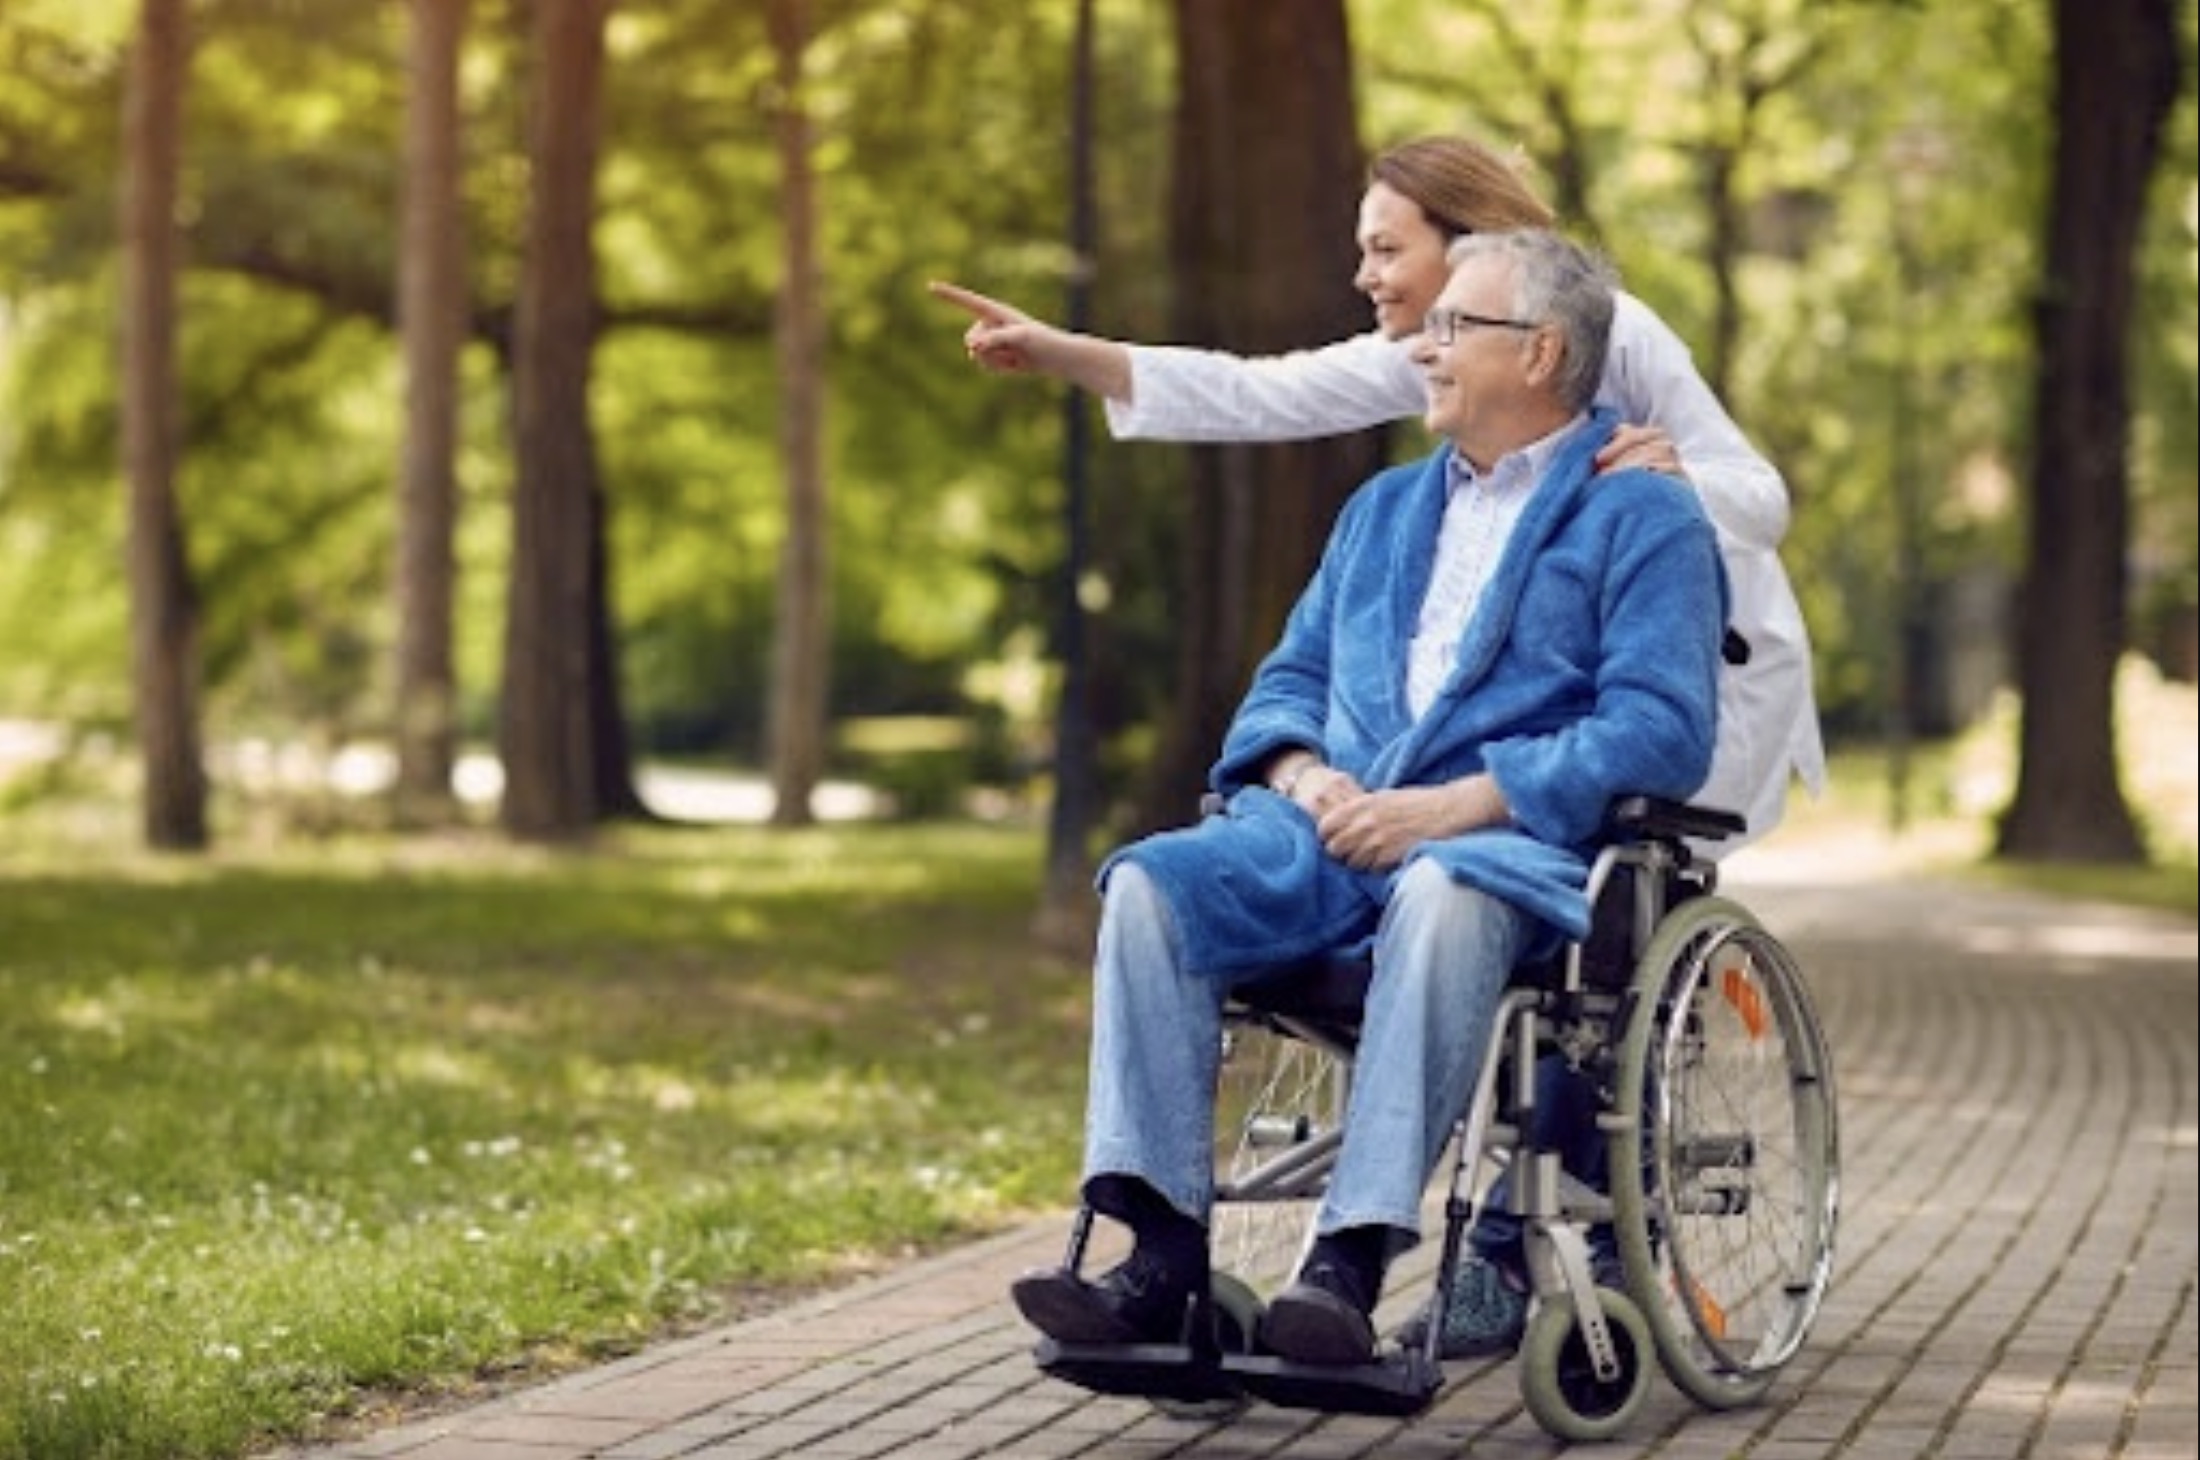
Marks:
<point>1768,713</point>
<point>1480,512</point>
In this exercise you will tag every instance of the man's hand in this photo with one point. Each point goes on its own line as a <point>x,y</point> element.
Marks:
<point>1371,831</point>
<point>1374,830</point>
<point>1321,787</point>
<point>1646,447</point>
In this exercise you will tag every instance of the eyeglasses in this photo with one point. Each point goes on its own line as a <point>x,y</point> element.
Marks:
<point>1444,325</point>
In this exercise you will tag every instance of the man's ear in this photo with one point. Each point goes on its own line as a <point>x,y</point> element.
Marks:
<point>1546,351</point>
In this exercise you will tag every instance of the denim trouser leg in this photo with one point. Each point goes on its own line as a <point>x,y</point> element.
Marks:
<point>1442,956</point>
<point>1156,1043</point>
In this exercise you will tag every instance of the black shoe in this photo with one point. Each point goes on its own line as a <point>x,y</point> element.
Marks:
<point>1143,1300</point>
<point>1323,1318</point>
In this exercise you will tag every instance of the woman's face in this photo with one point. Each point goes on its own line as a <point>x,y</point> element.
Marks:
<point>1402,267</point>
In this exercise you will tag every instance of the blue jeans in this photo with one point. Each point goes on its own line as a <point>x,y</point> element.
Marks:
<point>1443,952</point>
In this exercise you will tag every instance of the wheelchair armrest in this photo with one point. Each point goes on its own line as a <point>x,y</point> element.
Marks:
<point>1654,816</point>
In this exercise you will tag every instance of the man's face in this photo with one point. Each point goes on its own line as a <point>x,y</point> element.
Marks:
<point>1401,260</point>
<point>1477,377</point>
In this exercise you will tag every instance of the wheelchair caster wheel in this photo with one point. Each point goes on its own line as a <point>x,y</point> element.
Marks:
<point>1236,1308</point>
<point>1558,1379</point>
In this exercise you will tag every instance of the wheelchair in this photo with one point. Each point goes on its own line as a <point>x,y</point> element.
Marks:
<point>1714,1092</point>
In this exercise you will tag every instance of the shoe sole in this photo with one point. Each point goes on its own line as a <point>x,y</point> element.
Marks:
<point>1069,1310</point>
<point>1317,1328</point>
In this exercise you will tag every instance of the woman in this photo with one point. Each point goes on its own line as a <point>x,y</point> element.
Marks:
<point>1421,195</point>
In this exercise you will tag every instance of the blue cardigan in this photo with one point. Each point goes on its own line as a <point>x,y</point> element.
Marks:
<point>1589,671</point>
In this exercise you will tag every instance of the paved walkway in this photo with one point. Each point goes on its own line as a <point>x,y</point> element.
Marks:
<point>2015,1279</point>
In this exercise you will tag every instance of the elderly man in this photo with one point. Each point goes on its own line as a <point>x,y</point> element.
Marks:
<point>1497,643</point>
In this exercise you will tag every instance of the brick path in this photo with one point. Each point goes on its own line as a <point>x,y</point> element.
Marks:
<point>2015,1277</point>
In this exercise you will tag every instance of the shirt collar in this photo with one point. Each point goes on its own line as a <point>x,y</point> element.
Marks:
<point>1524,466</point>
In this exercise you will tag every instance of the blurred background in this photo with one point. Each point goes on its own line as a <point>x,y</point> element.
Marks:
<point>492,410</point>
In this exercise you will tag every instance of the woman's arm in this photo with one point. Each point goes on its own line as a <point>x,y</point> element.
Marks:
<point>1650,378</point>
<point>1176,393</point>
<point>1184,394</point>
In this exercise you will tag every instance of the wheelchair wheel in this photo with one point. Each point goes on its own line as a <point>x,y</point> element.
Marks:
<point>1279,1115</point>
<point>1558,1378</point>
<point>1725,1167</point>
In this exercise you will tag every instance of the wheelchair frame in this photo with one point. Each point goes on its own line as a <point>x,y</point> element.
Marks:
<point>1715,1097</point>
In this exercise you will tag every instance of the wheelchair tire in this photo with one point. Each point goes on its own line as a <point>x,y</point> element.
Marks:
<point>1558,1380</point>
<point>1724,1152</point>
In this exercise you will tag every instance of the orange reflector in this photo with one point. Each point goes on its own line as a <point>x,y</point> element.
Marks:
<point>1708,1312</point>
<point>1741,991</point>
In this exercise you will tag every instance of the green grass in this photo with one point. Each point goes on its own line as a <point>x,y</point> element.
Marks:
<point>282,1142</point>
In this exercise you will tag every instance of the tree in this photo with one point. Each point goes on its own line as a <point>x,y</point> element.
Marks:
<point>547,731</point>
<point>1066,893</point>
<point>1267,179</point>
<point>164,612</point>
<point>2116,77</point>
<point>802,629</point>
<point>431,311</point>
<point>1750,57</point>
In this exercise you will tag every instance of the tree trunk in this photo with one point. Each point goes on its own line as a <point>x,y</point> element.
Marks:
<point>1266,187</point>
<point>1066,904</point>
<point>2116,78</point>
<point>163,606</point>
<point>431,312</point>
<point>617,796</point>
<point>802,629</point>
<point>546,732</point>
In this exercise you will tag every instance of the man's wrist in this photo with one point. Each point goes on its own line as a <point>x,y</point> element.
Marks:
<point>1289,770</point>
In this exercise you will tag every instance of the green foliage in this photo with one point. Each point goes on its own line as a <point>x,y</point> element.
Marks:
<point>1890,181</point>
<point>282,1139</point>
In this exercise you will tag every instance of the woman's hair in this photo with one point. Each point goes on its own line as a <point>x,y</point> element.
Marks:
<point>1463,186</point>
<point>1556,282</point>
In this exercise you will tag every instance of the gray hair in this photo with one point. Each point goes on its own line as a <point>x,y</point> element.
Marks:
<point>1556,282</point>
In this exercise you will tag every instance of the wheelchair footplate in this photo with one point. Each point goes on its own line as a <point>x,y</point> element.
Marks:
<point>1166,1371</point>
<point>1396,1385</point>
